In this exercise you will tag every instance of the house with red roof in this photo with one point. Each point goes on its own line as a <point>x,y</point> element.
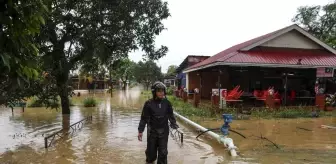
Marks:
<point>289,59</point>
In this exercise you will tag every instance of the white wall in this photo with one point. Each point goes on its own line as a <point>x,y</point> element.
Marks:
<point>292,39</point>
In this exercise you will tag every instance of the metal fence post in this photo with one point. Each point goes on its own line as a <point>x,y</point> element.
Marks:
<point>45,142</point>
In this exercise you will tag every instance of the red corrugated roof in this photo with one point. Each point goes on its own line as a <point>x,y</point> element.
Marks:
<point>234,55</point>
<point>232,50</point>
<point>284,58</point>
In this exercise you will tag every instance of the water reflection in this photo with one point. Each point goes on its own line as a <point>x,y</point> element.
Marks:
<point>111,137</point>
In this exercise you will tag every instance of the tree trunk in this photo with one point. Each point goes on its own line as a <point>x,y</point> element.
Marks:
<point>111,84</point>
<point>124,85</point>
<point>63,91</point>
<point>147,85</point>
<point>65,103</point>
<point>66,122</point>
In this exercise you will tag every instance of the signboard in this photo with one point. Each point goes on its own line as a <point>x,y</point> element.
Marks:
<point>222,102</point>
<point>324,72</point>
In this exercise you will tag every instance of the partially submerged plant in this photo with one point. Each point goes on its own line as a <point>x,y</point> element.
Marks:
<point>36,102</point>
<point>90,102</point>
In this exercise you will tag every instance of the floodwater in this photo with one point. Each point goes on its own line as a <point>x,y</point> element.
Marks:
<point>111,137</point>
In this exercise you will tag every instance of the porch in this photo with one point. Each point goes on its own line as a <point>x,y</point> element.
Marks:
<point>295,86</point>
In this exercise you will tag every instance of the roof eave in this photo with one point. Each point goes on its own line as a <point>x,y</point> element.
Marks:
<point>285,30</point>
<point>259,65</point>
<point>201,67</point>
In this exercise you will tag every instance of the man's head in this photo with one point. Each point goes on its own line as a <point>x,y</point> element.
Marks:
<point>159,90</point>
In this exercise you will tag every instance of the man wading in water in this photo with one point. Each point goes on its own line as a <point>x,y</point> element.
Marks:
<point>156,113</point>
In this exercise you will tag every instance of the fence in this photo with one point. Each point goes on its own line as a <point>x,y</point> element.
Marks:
<point>61,133</point>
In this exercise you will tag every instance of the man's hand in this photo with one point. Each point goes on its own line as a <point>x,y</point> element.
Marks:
<point>174,126</point>
<point>140,136</point>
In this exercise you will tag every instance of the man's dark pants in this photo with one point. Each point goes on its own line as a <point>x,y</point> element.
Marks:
<point>157,140</point>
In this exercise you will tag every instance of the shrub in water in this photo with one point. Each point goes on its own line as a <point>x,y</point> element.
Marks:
<point>35,102</point>
<point>90,102</point>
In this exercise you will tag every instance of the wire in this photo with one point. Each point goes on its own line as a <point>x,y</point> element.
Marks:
<point>237,133</point>
<point>219,129</point>
<point>303,129</point>
<point>206,131</point>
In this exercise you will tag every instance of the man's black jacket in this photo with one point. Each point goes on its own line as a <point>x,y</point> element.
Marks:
<point>156,114</point>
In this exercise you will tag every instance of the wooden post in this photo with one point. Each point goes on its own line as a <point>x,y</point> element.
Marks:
<point>320,101</point>
<point>215,100</point>
<point>185,96</point>
<point>196,99</point>
<point>177,92</point>
<point>286,80</point>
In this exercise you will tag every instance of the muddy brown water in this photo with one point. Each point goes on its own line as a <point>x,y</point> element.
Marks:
<point>112,137</point>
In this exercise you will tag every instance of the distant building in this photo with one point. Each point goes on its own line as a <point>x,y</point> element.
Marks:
<point>189,61</point>
<point>169,81</point>
<point>84,83</point>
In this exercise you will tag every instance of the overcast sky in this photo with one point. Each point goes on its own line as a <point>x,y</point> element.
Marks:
<point>200,27</point>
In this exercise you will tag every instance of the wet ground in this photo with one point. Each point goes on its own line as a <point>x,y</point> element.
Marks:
<point>111,137</point>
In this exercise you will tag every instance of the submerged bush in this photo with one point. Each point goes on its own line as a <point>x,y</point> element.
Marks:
<point>90,102</point>
<point>36,102</point>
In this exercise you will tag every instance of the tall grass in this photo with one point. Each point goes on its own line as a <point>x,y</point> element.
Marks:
<point>206,111</point>
<point>300,112</point>
<point>187,109</point>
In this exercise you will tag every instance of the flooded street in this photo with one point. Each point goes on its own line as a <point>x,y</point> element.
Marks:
<point>111,137</point>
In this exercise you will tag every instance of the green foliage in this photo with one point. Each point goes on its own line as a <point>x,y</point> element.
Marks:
<point>90,102</point>
<point>96,29</point>
<point>300,112</point>
<point>19,24</point>
<point>94,69</point>
<point>34,102</point>
<point>171,70</point>
<point>147,73</point>
<point>319,21</point>
<point>124,70</point>
<point>187,109</point>
<point>171,90</point>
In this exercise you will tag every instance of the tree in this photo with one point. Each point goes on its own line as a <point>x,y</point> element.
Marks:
<point>319,21</point>
<point>124,70</point>
<point>20,22</point>
<point>147,73</point>
<point>80,30</point>
<point>171,70</point>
